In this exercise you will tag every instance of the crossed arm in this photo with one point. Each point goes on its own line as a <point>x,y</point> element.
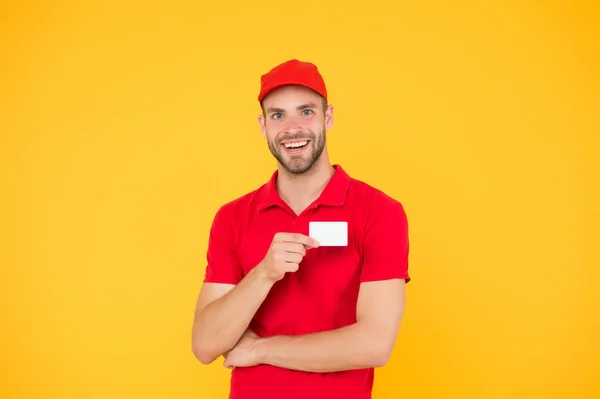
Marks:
<point>364,344</point>
<point>223,312</point>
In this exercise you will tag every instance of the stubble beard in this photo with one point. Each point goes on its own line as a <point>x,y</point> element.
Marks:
<point>298,165</point>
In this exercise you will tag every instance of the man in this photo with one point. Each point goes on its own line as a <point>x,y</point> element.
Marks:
<point>293,317</point>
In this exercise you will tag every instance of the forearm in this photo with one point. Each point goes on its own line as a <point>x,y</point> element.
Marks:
<point>219,325</point>
<point>348,348</point>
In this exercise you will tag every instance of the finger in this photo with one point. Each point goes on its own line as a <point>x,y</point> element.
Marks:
<point>292,257</point>
<point>294,247</point>
<point>305,240</point>
<point>228,365</point>
<point>289,247</point>
<point>291,267</point>
<point>287,257</point>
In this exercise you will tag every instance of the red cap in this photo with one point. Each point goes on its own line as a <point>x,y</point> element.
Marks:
<point>292,72</point>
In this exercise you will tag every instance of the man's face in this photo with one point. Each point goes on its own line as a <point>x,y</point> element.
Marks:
<point>295,123</point>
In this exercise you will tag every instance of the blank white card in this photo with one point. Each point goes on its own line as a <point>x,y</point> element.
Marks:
<point>329,234</point>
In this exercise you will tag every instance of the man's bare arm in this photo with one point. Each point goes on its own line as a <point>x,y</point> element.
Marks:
<point>367,343</point>
<point>223,313</point>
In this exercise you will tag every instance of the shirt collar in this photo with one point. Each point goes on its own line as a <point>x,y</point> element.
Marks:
<point>334,193</point>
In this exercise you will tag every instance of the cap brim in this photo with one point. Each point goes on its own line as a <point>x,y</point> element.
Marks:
<point>288,83</point>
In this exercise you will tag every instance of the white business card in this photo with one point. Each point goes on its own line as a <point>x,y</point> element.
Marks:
<point>329,234</point>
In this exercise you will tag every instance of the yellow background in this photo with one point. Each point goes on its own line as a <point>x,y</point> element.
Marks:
<point>124,126</point>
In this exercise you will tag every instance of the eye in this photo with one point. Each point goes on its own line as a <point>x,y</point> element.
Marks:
<point>277,115</point>
<point>307,111</point>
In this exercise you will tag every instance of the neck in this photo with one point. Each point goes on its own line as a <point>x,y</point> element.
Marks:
<point>299,191</point>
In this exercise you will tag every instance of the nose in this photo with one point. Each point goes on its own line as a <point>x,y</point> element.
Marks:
<point>293,125</point>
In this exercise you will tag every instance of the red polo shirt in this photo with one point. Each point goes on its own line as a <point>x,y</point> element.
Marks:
<point>322,294</point>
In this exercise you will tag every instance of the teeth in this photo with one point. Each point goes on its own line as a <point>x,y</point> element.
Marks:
<point>296,144</point>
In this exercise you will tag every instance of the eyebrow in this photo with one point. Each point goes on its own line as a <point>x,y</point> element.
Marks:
<point>299,108</point>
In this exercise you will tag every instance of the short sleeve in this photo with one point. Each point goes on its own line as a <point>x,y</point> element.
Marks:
<point>385,243</point>
<point>223,265</point>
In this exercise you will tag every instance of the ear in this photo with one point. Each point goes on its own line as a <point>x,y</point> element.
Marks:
<point>329,117</point>
<point>261,123</point>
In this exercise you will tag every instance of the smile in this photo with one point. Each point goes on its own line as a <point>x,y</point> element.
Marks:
<point>295,144</point>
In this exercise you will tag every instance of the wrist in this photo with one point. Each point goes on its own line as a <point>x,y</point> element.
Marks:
<point>263,275</point>
<point>262,350</point>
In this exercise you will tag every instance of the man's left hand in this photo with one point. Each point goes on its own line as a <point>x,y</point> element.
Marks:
<point>245,353</point>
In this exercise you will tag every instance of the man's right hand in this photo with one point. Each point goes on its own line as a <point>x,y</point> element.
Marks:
<point>285,254</point>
